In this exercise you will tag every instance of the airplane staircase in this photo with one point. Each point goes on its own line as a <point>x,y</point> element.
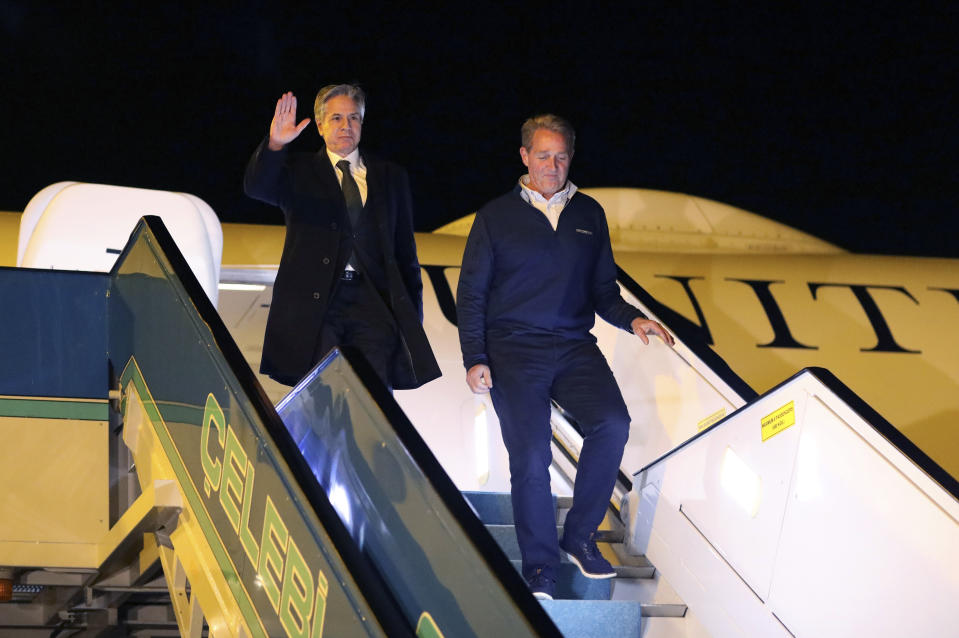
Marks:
<point>260,527</point>
<point>583,606</point>
<point>330,515</point>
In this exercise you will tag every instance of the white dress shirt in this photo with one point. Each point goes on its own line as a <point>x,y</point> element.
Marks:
<point>357,170</point>
<point>551,207</point>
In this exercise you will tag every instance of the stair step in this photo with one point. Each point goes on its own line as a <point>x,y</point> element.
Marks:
<point>505,536</point>
<point>572,585</point>
<point>663,610</point>
<point>634,571</point>
<point>586,607</point>
<point>594,618</point>
<point>496,507</point>
<point>658,598</point>
<point>623,572</point>
<point>609,536</point>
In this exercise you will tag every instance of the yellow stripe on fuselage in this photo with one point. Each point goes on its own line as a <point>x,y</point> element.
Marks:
<point>9,231</point>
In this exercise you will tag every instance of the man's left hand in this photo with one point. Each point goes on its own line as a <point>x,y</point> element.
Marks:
<point>642,327</point>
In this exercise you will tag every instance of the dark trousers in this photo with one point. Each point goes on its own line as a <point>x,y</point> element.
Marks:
<point>358,317</point>
<point>527,371</point>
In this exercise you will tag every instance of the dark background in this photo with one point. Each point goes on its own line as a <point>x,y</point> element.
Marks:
<point>841,122</point>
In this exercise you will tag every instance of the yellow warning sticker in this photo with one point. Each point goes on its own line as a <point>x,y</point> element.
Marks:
<point>712,418</point>
<point>777,421</point>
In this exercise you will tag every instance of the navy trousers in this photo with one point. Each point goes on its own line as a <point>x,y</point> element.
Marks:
<point>527,371</point>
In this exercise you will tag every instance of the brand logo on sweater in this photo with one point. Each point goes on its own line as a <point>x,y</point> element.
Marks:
<point>584,231</point>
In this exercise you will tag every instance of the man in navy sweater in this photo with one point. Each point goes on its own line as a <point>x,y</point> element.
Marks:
<point>538,265</point>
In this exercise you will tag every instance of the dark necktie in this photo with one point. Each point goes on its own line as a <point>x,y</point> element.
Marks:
<point>351,193</point>
<point>354,203</point>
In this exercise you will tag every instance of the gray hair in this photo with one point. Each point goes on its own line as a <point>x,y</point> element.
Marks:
<point>330,91</point>
<point>549,122</point>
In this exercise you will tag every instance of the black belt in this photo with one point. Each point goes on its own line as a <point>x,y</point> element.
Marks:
<point>351,275</point>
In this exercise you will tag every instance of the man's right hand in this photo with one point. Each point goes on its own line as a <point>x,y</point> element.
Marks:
<point>479,379</point>
<point>283,128</point>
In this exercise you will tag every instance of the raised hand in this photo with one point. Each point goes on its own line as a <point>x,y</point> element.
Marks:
<point>283,128</point>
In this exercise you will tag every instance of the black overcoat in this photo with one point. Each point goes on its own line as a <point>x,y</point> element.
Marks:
<point>318,242</point>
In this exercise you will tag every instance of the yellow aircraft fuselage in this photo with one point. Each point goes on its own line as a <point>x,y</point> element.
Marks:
<point>768,299</point>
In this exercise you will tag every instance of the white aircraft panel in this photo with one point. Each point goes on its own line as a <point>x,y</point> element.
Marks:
<point>857,532</point>
<point>669,393</point>
<point>76,226</point>
<point>459,427</point>
<point>823,530</point>
<point>745,484</point>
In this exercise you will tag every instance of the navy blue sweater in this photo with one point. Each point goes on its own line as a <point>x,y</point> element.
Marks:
<point>521,276</point>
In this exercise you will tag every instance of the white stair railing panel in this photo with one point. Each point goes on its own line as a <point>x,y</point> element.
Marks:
<point>862,545</point>
<point>823,529</point>
<point>671,394</point>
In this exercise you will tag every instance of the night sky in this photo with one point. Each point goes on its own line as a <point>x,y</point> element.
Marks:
<point>840,122</point>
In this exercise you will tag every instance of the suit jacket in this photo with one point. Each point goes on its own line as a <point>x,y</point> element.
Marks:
<point>319,240</point>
